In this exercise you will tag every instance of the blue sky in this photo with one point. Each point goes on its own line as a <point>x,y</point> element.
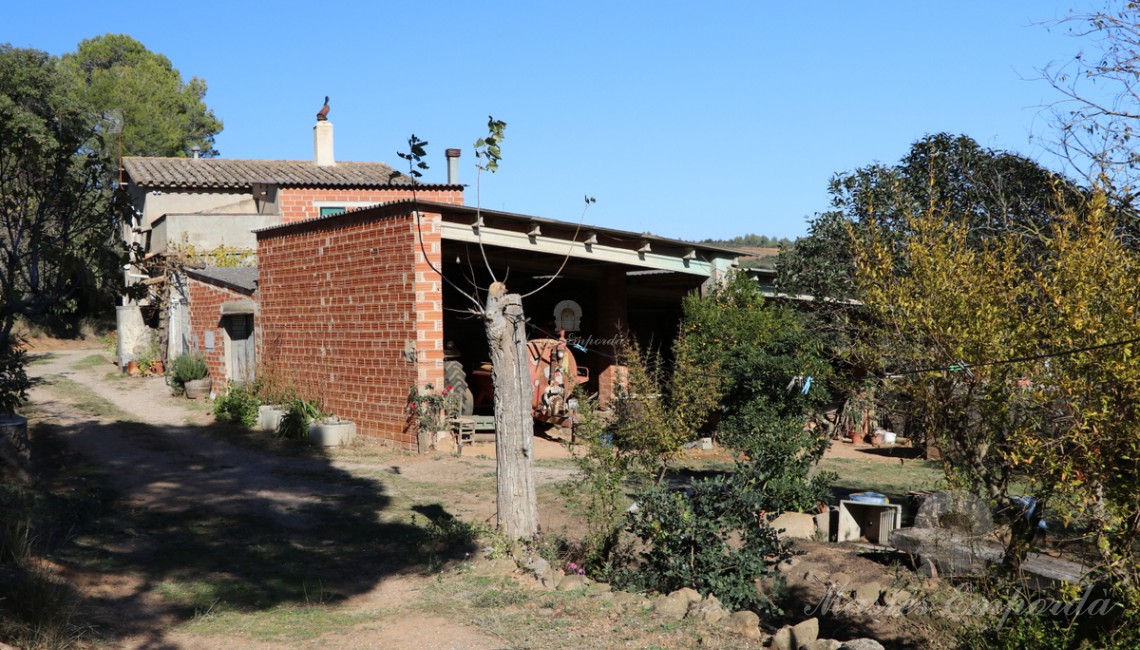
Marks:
<point>688,120</point>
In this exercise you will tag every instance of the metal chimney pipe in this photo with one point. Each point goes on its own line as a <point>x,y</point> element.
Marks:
<point>452,166</point>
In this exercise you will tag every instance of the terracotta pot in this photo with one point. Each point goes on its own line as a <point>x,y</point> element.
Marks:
<point>133,368</point>
<point>157,368</point>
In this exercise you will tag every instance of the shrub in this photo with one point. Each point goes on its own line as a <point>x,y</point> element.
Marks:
<point>597,493</point>
<point>299,414</point>
<point>187,367</point>
<point>238,405</point>
<point>710,537</point>
<point>14,382</point>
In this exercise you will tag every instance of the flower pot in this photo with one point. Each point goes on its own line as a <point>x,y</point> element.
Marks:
<point>332,434</point>
<point>158,368</point>
<point>198,388</point>
<point>269,416</point>
<point>133,368</point>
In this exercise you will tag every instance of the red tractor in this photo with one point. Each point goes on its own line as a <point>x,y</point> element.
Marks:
<point>553,375</point>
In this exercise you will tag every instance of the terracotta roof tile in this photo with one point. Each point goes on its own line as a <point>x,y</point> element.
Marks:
<point>240,174</point>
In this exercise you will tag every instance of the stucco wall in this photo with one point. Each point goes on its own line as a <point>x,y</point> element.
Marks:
<point>206,232</point>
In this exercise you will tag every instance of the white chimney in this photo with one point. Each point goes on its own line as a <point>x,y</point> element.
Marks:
<point>323,144</point>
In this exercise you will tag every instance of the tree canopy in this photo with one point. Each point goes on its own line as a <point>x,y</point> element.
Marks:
<point>993,191</point>
<point>117,77</point>
<point>1022,368</point>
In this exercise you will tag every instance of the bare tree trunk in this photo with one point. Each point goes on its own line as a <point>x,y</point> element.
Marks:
<point>514,425</point>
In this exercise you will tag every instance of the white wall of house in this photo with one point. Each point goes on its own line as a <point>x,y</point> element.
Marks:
<point>206,232</point>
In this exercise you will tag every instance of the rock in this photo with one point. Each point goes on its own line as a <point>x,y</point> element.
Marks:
<point>745,624</point>
<point>862,644</point>
<point>671,608</point>
<point>768,586</point>
<point>795,525</point>
<point>573,582</point>
<point>551,579</point>
<point>627,599</point>
<point>688,594</point>
<point>839,580</point>
<point>823,644</point>
<point>782,639</point>
<point>896,597</point>
<point>496,568</point>
<point>708,610</point>
<point>789,564</point>
<point>536,565</point>
<point>600,588</point>
<point>954,510</point>
<point>867,594</point>
<point>805,632</point>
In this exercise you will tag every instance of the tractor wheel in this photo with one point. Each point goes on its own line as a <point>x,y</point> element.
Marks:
<point>454,376</point>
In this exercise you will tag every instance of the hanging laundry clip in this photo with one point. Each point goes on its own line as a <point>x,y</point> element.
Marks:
<point>799,382</point>
<point>961,366</point>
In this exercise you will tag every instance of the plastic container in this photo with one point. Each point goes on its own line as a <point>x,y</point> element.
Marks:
<point>868,497</point>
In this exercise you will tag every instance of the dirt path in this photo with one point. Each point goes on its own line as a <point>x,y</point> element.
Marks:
<point>259,531</point>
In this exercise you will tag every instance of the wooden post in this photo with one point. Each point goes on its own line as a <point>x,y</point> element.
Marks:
<point>514,424</point>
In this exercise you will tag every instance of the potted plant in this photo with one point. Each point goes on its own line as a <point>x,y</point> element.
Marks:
<point>275,400</point>
<point>190,375</point>
<point>299,414</point>
<point>331,431</point>
<point>433,410</point>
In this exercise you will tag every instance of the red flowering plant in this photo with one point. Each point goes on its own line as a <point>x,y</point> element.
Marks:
<point>433,408</point>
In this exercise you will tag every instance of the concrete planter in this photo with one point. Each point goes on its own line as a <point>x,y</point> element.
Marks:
<point>332,434</point>
<point>269,417</point>
<point>198,388</point>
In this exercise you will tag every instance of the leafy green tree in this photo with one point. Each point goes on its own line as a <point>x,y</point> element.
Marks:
<point>1020,356</point>
<point>58,221</point>
<point>993,191</point>
<point>162,115</point>
<point>760,354</point>
<point>753,370</point>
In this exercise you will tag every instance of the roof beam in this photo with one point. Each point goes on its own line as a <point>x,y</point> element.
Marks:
<point>579,250</point>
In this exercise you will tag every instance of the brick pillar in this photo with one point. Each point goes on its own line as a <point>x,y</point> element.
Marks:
<point>429,302</point>
<point>613,319</point>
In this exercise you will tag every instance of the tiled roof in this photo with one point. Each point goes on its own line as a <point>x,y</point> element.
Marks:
<point>241,174</point>
<point>239,278</point>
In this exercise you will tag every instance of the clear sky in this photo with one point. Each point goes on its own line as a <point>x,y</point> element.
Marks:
<point>690,120</point>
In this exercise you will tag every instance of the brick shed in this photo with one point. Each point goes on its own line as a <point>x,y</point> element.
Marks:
<point>352,312</point>
<point>222,321</point>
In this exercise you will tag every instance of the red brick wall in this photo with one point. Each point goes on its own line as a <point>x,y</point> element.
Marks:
<point>340,298</point>
<point>296,203</point>
<point>206,315</point>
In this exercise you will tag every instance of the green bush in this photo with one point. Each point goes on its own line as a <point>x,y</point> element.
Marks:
<point>14,382</point>
<point>598,492</point>
<point>710,537</point>
<point>238,405</point>
<point>299,414</point>
<point>187,367</point>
